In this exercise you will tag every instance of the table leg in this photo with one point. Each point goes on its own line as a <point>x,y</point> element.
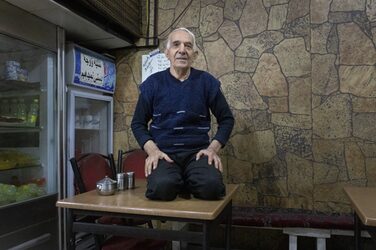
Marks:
<point>228,226</point>
<point>178,226</point>
<point>357,232</point>
<point>71,236</point>
<point>293,242</point>
<point>206,234</point>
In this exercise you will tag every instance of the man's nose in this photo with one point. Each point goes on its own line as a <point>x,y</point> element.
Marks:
<point>182,48</point>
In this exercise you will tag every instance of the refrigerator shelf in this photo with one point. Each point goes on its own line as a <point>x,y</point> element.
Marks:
<point>17,128</point>
<point>15,85</point>
<point>13,195</point>
<point>22,167</point>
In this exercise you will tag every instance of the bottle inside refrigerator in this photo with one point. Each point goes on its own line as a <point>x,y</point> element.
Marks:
<point>28,167</point>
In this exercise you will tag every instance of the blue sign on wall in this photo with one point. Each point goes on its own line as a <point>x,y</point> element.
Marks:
<point>91,70</point>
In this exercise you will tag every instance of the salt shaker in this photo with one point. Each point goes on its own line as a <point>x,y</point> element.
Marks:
<point>120,181</point>
<point>130,180</point>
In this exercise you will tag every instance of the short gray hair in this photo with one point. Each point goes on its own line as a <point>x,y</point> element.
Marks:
<point>168,44</point>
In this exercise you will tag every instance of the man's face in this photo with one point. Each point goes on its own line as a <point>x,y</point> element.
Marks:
<point>181,53</point>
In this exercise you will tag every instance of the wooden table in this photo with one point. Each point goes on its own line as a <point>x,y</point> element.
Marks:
<point>363,201</point>
<point>134,204</point>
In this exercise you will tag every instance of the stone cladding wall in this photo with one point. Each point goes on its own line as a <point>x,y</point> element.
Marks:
<point>300,78</point>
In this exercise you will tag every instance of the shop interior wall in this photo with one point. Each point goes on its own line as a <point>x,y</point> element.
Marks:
<point>300,78</point>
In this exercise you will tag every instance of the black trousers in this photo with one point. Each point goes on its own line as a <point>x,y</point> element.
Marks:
<point>185,175</point>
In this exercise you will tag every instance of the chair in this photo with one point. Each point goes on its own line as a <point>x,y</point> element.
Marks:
<point>133,161</point>
<point>88,169</point>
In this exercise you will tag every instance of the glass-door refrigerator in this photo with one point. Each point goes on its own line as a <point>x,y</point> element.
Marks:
<point>28,135</point>
<point>91,81</point>
<point>89,126</point>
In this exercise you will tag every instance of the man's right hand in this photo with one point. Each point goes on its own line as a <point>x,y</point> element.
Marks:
<point>154,155</point>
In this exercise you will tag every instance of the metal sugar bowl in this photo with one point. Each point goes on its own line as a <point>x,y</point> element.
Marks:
<point>106,186</point>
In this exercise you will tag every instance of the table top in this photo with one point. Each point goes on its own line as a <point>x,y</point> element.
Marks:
<point>363,200</point>
<point>133,201</point>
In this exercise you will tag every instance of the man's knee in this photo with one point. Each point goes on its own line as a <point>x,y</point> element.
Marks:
<point>210,189</point>
<point>163,189</point>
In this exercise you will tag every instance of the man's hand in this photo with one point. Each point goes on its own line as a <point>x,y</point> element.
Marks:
<point>211,153</point>
<point>154,155</point>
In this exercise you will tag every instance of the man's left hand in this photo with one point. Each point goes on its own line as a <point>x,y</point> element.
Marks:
<point>212,157</point>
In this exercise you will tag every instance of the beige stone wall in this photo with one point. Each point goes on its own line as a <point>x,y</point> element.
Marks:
<point>300,78</point>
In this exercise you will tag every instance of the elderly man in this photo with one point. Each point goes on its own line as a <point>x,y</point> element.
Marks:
<point>178,102</point>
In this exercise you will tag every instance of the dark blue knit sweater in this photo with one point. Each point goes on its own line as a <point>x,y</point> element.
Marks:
<point>180,112</point>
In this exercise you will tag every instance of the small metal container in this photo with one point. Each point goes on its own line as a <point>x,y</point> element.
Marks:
<point>130,180</point>
<point>106,186</point>
<point>121,181</point>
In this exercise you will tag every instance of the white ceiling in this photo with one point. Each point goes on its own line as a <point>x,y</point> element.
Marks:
<point>78,29</point>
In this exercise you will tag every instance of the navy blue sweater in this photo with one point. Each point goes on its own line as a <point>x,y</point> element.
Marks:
<point>180,112</point>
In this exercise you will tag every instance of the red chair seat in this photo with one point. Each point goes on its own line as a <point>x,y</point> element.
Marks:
<point>120,221</point>
<point>125,243</point>
<point>110,220</point>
